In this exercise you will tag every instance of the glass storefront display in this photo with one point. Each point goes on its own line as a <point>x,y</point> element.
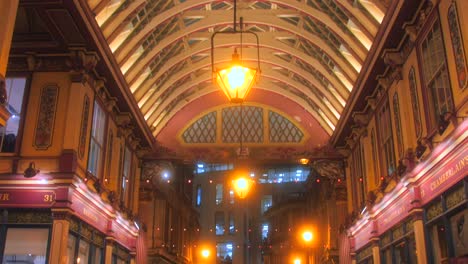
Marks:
<point>398,245</point>
<point>85,244</point>
<point>446,228</point>
<point>32,250</point>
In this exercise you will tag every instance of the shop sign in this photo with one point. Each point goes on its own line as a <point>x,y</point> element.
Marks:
<point>363,236</point>
<point>444,177</point>
<point>123,236</point>
<point>89,214</point>
<point>30,198</point>
<point>394,213</point>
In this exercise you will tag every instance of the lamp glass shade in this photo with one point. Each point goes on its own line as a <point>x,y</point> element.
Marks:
<point>236,81</point>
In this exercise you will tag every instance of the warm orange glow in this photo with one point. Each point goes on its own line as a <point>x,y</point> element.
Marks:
<point>242,186</point>
<point>307,236</point>
<point>304,161</point>
<point>205,253</point>
<point>297,261</point>
<point>236,80</point>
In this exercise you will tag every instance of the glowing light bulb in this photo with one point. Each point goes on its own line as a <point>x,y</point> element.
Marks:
<point>236,77</point>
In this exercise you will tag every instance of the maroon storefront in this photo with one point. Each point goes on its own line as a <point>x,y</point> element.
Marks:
<point>424,219</point>
<point>64,222</point>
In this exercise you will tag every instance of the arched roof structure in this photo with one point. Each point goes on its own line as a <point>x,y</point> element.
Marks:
<point>311,53</point>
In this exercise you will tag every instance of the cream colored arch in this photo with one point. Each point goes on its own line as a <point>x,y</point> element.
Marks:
<point>265,54</point>
<point>109,29</point>
<point>155,109</point>
<point>267,40</point>
<point>140,63</point>
<point>165,116</point>
<point>267,58</point>
<point>218,17</point>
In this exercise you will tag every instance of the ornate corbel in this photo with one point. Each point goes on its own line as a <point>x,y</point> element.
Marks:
<point>82,63</point>
<point>393,58</point>
<point>361,118</point>
<point>372,103</point>
<point>142,151</point>
<point>396,73</point>
<point>350,142</point>
<point>344,151</point>
<point>359,131</point>
<point>444,121</point>
<point>134,142</point>
<point>331,169</point>
<point>412,31</point>
<point>123,119</point>
<point>125,131</point>
<point>110,104</point>
<point>32,61</point>
<point>423,144</point>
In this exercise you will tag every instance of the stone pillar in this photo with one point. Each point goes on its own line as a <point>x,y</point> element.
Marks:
<point>133,259</point>
<point>8,10</point>
<point>59,241</point>
<point>376,251</point>
<point>419,236</point>
<point>108,251</point>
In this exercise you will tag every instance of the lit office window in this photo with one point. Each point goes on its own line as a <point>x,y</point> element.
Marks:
<point>224,252</point>
<point>267,202</point>
<point>231,196</point>
<point>219,223</point>
<point>219,193</point>
<point>232,227</point>
<point>199,195</point>
<point>265,228</point>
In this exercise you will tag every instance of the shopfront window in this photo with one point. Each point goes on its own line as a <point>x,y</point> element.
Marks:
<point>120,255</point>
<point>26,245</point>
<point>447,226</point>
<point>85,244</point>
<point>398,245</point>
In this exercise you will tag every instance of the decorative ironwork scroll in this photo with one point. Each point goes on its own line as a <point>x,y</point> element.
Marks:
<point>46,117</point>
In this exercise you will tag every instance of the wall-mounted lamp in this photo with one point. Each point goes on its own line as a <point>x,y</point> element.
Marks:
<point>30,171</point>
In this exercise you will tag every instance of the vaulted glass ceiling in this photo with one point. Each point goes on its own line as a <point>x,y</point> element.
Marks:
<point>311,51</point>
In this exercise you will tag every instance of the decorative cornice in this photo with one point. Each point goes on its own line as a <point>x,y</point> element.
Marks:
<point>361,118</point>
<point>123,119</point>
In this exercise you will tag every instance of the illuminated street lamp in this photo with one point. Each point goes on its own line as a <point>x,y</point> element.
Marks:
<point>242,186</point>
<point>236,80</point>
<point>205,255</point>
<point>307,236</point>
